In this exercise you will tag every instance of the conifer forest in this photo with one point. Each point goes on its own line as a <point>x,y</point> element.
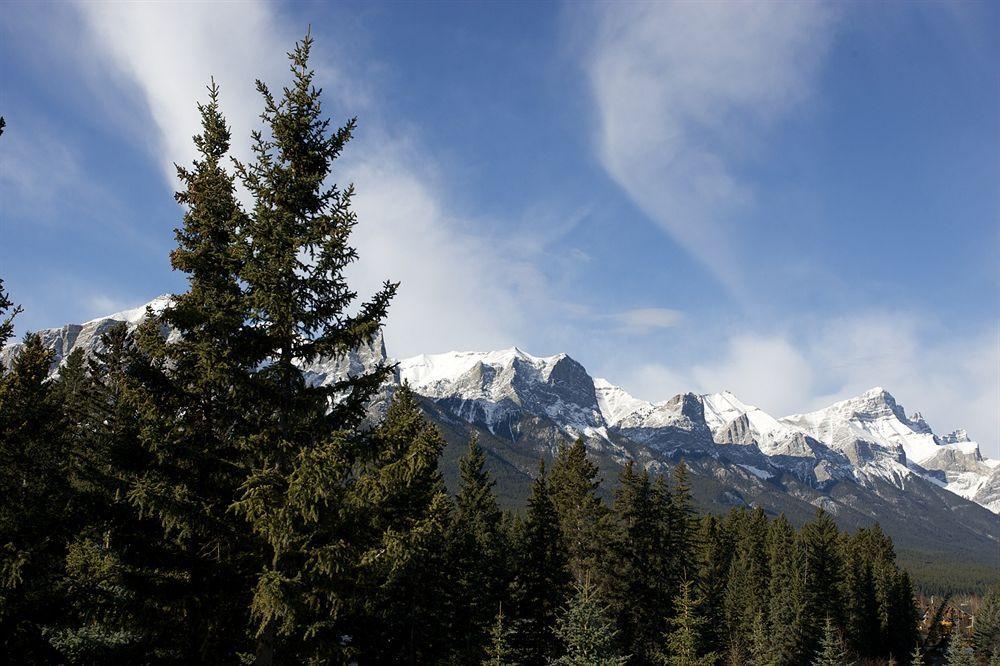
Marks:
<point>184,495</point>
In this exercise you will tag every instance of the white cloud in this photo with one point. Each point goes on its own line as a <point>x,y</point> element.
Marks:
<point>458,290</point>
<point>953,381</point>
<point>170,51</point>
<point>684,90</point>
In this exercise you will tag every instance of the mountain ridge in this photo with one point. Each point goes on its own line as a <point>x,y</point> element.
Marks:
<point>524,407</point>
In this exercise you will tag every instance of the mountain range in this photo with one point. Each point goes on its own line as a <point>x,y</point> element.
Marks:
<point>863,459</point>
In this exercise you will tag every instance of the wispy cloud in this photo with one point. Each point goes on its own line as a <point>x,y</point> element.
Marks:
<point>458,290</point>
<point>685,92</point>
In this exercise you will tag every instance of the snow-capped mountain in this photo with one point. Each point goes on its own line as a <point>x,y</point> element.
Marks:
<point>495,389</point>
<point>510,394</point>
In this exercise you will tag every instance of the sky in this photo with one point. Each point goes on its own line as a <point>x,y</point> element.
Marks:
<point>792,201</point>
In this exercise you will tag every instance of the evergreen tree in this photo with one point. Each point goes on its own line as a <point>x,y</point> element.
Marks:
<point>195,412</point>
<point>682,527</point>
<point>397,513</point>
<point>746,589</point>
<point>986,630</point>
<point>715,559</point>
<point>831,648</point>
<point>305,441</point>
<point>822,575</point>
<point>786,613</point>
<point>684,643</point>
<point>573,487</point>
<point>500,651</point>
<point>638,570</point>
<point>125,588</point>
<point>542,577</point>
<point>7,313</point>
<point>760,641</point>
<point>960,651</point>
<point>917,657</point>
<point>586,632</point>
<point>476,556</point>
<point>33,514</point>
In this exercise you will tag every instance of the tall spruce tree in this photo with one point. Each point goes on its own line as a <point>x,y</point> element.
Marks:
<point>587,633</point>
<point>306,440</point>
<point>831,647</point>
<point>500,651</point>
<point>685,643</point>
<point>573,487</point>
<point>124,586</point>
<point>986,629</point>
<point>787,606</point>
<point>34,510</point>
<point>396,513</point>
<point>477,553</point>
<point>823,579</point>
<point>542,576</point>
<point>960,649</point>
<point>683,527</point>
<point>715,561</point>
<point>638,569</point>
<point>196,412</point>
<point>746,589</point>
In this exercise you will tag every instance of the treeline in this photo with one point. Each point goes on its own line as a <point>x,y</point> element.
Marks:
<point>191,498</point>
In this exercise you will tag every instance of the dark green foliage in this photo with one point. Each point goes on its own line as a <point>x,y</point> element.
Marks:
<point>685,644</point>
<point>542,578</point>
<point>573,488</point>
<point>823,576</point>
<point>194,498</point>
<point>787,608</point>
<point>587,633</point>
<point>640,566</point>
<point>477,557</point>
<point>34,510</point>
<point>500,651</point>
<point>986,631</point>
<point>395,514</point>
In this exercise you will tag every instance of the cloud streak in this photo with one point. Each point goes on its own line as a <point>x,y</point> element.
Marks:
<point>684,91</point>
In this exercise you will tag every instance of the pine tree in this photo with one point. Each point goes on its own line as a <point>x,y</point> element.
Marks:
<point>586,632</point>
<point>305,440</point>
<point>917,657</point>
<point>7,313</point>
<point>500,651</point>
<point>684,642</point>
<point>746,589</point>
<point>715,561</point>
<point>831,648</point>
<point>822,574</point>
<point>760,641</point>
<point>986,630</point>
<point>573,487</point>
<point>476,556</point>
<point>33,514</point>
<point>638,570</point>
<point>786,613</point>
<point>124,586</point>
<point>960,650</point>
<point>542,577</point>
<point>195,411</point>
<point>397,513</point>
<point>683,526</point>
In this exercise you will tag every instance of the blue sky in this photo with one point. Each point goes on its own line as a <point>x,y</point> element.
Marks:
<point>792,201</point>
